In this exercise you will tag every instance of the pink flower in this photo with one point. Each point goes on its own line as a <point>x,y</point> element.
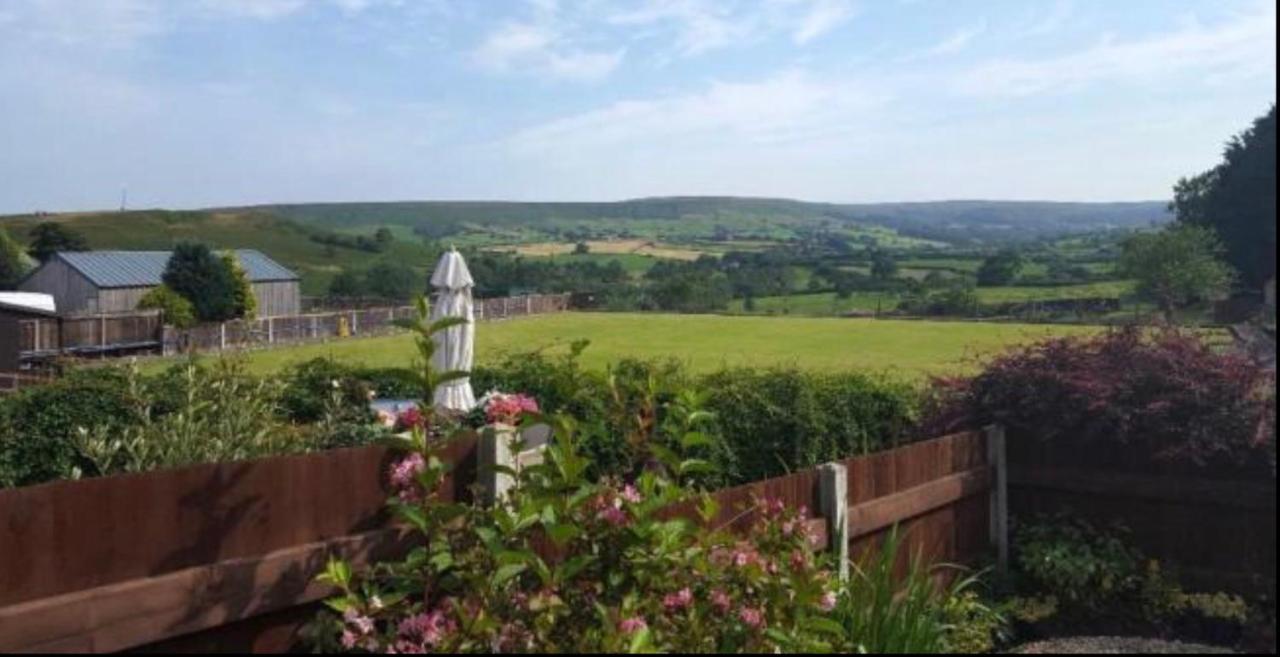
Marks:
<point>742,558</point>
<point>828,601</point>
<point>404,476</point>
<point>613,516</point>
<point>720,601</point>
<point>507,409</point>
<point>386,419</point>
<point>799,561</point>
<point>679,600</point>
<point>423,631</point>
<point>630,494</point>
<point>752,617</point>
<point>632,625</point>
<point>410,418</point>
<point>353,618</point>
<point>348,639</point>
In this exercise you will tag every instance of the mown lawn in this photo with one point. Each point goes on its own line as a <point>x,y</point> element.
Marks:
<point>705,342</point>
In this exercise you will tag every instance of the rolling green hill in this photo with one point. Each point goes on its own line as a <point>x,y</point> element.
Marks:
<point>763,218</point>
<point>285,240</point>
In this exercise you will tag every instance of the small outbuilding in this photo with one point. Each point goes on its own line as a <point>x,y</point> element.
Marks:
<point>21,316</point>
<point>102,282</point>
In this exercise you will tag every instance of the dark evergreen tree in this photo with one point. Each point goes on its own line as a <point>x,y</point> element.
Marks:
<point>200,276</point>
<point>1237,199</point>
<point>48,238</point>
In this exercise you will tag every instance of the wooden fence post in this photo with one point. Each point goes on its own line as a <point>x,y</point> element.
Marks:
<point>222,336</point>
<point>271,330</point>
<point>998,462</point>
<point>833,501</point>
<point>355,324</point>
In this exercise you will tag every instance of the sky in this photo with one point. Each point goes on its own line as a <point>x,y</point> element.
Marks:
<point>198,103</point>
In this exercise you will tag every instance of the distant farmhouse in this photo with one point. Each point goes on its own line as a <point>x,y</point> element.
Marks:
<point>93,282</point>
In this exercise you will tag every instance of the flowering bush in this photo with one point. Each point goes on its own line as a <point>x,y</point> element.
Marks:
<point>567,565</point>
<point>503,408</point>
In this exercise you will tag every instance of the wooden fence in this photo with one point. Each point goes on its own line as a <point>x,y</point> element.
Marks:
<point>143,331</point>
<point>222,556</point>
<point>1215,528</point>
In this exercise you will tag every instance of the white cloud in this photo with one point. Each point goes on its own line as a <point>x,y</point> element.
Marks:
<point>1242,46</point>
<point>541,47</point>
<point>956,42</point>
<point>255,9</point>
<point>823,16</point>
<point>788,107</point>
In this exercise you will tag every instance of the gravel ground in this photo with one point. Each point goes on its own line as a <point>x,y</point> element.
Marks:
<point>1115,645</point>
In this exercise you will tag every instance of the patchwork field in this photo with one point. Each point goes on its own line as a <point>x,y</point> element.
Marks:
<point>911,349</point>
<point>647,248</point>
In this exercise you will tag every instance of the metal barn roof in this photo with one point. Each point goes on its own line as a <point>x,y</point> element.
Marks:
<point>108,269</point>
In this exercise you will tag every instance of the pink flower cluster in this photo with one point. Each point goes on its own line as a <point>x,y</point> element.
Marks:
<point>422,633</point>
<point>410,418</point>
<point>609,507</point>
<point>632,625</point>
<point>507,409</point>
<point>404,477</point>
<point>678,601</point>
<point>357,630</point>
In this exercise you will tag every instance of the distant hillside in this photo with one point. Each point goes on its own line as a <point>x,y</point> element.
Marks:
<point>950,221</point>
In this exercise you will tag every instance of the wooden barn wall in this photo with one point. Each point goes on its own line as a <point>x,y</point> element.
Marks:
<point>70,289</point>
<point>278,298</point>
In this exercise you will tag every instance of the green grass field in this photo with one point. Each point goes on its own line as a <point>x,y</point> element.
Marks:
<point>910,349</point>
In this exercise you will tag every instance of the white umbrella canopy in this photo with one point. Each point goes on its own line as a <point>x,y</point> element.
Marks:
<point>454,346</point>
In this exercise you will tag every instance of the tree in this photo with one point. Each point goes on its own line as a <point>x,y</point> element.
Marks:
<point>394,281</point>
<point>883,266</point>
<point>383,236</point>
<point>1000,269</point>
<point>47,238</point>
<point>245,301</point>
<point>347,283</point>
<point>1237,199</point>
<point>581,248</point>
<point>194,272</point>
<point>178,312</point>
<point>1176,267</point>
<point>13,263</point>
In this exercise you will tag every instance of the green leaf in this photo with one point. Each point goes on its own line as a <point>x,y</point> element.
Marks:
<point>505,573</point>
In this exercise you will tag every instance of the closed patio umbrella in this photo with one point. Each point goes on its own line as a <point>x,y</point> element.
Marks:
<point>454,346</point>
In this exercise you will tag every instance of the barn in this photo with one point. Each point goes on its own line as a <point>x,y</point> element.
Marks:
<point>101,282</point>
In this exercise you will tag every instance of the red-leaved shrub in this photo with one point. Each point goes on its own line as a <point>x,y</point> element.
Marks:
<point>1169,395</point>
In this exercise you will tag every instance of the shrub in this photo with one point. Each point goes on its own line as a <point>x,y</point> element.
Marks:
<point>178,312</point>
<point>1085,568</point>
<point>226,415</point>
<point>246,303</point>
<point>1169,395</point>
<point>780,420</point>
<point>43,423</point>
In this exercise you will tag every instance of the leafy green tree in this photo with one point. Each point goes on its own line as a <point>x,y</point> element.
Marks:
<point>393,280</point>
<point>1177,266</point>
<point>348,283</point>
<point>1237,199</point>
<point>1000,269</point>
<point>47,238</point>
<point>883,266</point>
<point>203,279</point>
<point>178,312</point>
<point>383,236</point>
<point>246,301</point>
<point>581,248</point>
<point>13,265</point>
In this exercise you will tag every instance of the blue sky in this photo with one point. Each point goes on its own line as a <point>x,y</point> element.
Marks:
<point>192,103</point>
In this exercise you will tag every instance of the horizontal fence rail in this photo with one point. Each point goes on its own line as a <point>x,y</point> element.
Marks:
<point>224,555</point>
